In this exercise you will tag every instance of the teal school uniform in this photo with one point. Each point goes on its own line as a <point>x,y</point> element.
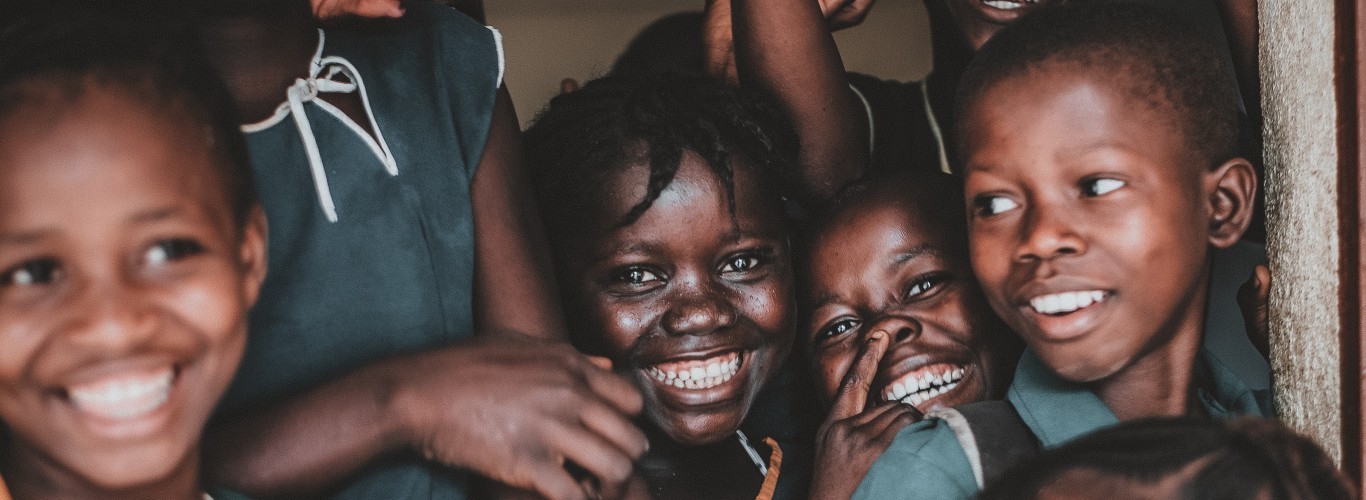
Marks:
<point>926,461</point>
<point>371,239</point>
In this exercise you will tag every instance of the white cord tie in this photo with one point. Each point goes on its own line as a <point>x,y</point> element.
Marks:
<point>336,75</point>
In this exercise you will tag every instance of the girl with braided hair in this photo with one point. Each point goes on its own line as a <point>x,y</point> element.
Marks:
<point>670,243</point>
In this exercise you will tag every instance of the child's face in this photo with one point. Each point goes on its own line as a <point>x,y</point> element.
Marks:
<point>697,311</point>
<point>882,265</point>
<point>1090,220</point>
<point>124,283</point>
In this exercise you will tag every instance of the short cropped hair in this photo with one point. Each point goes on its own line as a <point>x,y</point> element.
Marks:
<point>1207,459</point>
<point>1162,61</point>
<point>147,48</point>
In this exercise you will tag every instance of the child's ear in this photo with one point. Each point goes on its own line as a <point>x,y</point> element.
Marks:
<point>253,254</point>
<point>1231,188</point>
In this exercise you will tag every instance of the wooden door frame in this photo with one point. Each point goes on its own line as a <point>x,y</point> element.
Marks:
<point>1350,76</point>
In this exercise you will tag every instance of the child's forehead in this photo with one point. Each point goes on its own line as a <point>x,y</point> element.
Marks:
<point>101,134</point>
<point>1072,110</point>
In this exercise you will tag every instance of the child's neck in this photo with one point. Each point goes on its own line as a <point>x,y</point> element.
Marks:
<point>718,470</point>
<point>30,475</point>
<point>1158,384</point>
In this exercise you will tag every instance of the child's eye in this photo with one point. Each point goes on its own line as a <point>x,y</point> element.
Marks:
<point>923,285</point>
<point>637,276</point>
<point>740,264</point>
<point>989,205</point>
<point>34,272</point>
<point>172,250</point>
<point>840,327</point>
<point>1100,186</point>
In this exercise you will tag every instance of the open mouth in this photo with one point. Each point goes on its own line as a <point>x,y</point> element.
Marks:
<point>1008,4</point>
<point>1060,304</point>
<point>919,386</point>
<point>124,396</point>
<point>698,374</point>
<point>127,404</point>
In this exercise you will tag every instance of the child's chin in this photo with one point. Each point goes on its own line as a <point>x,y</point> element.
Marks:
<point>1090,370</point>
<point>132,471</point>
<point>697,430</point>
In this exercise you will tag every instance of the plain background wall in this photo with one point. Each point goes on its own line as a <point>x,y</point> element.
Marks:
<point>548,40</point>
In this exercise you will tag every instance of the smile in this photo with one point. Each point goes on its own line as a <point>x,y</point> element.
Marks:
<point>698,374</point>
<point>1008,4</point>
<point>1066,302</point>
<point>924,384</point>
<point>123,396</point>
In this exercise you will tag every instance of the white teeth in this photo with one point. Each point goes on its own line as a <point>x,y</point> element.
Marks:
<point>1065,302</point>
<point>915,389</point>
<point>703,374</point>
<point>126,397</point>
<point>1003,4</point>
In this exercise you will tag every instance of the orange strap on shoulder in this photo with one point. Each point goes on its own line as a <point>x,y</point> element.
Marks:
<point>4,490</point>
<point>775,465</point>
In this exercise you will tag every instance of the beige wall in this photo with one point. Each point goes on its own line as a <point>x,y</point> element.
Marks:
<point>549,40</point>
<point>1301,194</point>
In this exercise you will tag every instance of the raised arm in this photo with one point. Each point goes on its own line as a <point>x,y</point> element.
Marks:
<point>507,406</point>
<point>784,47</point>
<point>514,281</point>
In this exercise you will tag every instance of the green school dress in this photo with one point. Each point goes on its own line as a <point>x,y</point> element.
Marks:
<point>927,461</point>
<point>371,250</point>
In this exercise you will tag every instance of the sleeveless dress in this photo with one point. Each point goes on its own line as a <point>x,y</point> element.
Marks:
<point>371,249</point>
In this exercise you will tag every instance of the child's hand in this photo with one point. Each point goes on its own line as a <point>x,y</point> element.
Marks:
<point>516,410</point>
<point>1252,301</point>
<point>840,14</point>
<point>851,439</point>
<point>329,9</point>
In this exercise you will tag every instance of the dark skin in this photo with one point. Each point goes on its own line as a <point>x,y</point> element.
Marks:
<point>663,296</point>
<point>1072,194</point>
<point>121,262</point>
<point>540,403</point>
<point>894,300</point>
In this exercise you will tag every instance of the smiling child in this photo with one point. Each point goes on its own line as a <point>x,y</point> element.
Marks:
<point>1101,172</point>
<point>889,288</point>
<point>674,262</point>
<point>131,247</point>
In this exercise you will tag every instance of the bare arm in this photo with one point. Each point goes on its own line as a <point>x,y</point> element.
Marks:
<point>783,47</point>
<point>514,283</point>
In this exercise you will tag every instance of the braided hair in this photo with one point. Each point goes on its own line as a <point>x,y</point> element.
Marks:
<point>584,137</point>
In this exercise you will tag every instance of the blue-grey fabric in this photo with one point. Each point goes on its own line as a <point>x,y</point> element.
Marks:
<point>395,273</point>
<point>926,461</point>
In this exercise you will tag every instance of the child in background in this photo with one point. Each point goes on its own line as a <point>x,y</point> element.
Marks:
<point>408,335</point>
<point>887,272</point>
<point>1100,148</point>
<point>1180,458</point>
<point>669,239</point>
<point>131,247</point>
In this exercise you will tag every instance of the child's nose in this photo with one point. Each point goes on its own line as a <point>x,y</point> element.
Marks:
<point>899,328</point>
<point>113,316</point>
<point>1048,232</point>
<point>699,312</point>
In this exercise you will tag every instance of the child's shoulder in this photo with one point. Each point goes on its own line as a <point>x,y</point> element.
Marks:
<point>925,461</point>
